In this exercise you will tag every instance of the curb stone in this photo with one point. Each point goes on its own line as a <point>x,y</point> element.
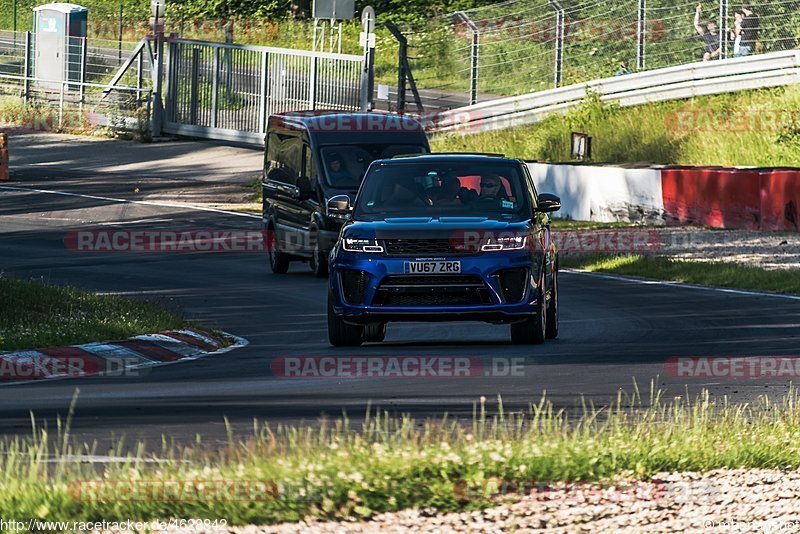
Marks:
<point>113,358</point>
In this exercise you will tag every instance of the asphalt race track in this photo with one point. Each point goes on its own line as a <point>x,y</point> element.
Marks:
<point>612,332</point>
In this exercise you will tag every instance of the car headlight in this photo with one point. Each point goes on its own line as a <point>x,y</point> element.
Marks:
<point>493,244</point>
<point>361,245</point>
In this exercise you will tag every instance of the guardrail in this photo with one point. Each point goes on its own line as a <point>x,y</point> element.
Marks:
<point>672,83</point>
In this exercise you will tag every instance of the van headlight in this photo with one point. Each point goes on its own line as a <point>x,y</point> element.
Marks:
<point>494,244</point>
<point>361,245</point>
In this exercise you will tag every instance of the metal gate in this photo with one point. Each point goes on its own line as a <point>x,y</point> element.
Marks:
<point>226,91</point>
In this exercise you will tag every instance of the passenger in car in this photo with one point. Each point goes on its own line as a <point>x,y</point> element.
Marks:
<point>448,192</point>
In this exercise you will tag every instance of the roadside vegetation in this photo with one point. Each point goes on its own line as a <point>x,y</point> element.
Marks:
<point>698,131</point>
<point>337,471</point>
<point>35,315</point>
<point>707,273</point>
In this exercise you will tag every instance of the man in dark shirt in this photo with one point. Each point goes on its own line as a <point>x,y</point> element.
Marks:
<point>749,31</point>
<point>710,35</point>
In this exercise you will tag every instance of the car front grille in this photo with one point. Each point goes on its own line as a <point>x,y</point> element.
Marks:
<point>426,247</point>
<point>432,290</point>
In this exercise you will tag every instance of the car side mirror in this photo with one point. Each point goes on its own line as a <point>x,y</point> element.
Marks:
<point>339,207</point>
<point>548,203</point>
<point>303,189</point>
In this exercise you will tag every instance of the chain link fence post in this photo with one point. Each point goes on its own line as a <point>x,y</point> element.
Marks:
<point>27,68</point>
<point>723,29</point>
<point>474,55</point>
<point>559,60</point>
<point>641,34</point>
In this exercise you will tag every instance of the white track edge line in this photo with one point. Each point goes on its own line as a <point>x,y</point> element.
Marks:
<point>126,201</point>
<point>684,285</point>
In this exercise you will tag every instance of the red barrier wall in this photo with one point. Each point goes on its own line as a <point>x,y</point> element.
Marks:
<point>780,200</point>
<point>720,198</point>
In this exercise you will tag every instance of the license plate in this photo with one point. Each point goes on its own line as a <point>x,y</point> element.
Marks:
<point>432,267</point>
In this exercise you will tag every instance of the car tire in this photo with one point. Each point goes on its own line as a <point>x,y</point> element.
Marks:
<point>340,333</point>
<point>375,332</point>
<point>551,330</point>
<point>531,331</point>
<point>278,261</point>
<point>319,260</point>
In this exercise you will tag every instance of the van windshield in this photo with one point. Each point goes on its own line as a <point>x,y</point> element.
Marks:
<point>345,165</point>
<point>436,189</point>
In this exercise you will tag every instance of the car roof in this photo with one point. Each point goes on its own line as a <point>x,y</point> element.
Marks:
<point>444,157</point>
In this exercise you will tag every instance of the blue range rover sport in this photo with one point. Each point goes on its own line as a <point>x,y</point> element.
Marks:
<point>444,237</point>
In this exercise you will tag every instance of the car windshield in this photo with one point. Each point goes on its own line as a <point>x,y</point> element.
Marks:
<point>345,165</point>
<point>437,189</point>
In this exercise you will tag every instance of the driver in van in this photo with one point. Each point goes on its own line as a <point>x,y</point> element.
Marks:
<point>337,171</point>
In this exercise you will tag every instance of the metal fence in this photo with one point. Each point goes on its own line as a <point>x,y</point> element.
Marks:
<point>213,90</point>
<point>88,60</point>
<point>522,46</point>
<point>227,91</point>
<point>75,95</point>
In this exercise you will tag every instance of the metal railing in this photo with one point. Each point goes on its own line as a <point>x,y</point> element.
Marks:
<point>671,83</point>
<point>226,91</point>
<point>65,105</point>
<point>87,60</point>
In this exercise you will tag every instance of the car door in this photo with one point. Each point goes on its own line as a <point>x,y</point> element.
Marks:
<point>308,206</point>
<point>541,228</point>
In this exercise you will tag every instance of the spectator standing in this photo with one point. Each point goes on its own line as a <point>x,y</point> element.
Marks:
<point>750,27</point>
<point>736,34</point>
<point>710,35</point>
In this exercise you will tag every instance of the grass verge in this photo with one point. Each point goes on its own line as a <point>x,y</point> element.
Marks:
<point>335,471</point>
<point>743,128</point>
<point>37,315</point>
<point>717,274</point>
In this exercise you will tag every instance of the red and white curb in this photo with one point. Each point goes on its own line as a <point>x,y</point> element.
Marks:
<point>112,359</point>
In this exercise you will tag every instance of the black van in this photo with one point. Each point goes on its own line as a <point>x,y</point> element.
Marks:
<point>312,156</point>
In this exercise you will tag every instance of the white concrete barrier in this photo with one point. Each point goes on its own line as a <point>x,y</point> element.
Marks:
<point>602,194</point>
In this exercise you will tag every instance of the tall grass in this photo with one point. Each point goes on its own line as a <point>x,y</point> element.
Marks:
<point>36,315</point>
<point>653,132</point>
<point>386,463</point>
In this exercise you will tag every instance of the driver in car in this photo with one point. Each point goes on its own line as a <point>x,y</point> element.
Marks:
<point>492,187</point>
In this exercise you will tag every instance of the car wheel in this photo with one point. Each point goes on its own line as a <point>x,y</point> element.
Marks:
<point>278,261</point>
<point>341,334</point>
<point>551,332</point>
<point>375,332</point>
<point>319,261</point>
<point>532,330</point>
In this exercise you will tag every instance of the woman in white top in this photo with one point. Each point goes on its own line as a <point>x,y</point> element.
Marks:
<point>736,33</point>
